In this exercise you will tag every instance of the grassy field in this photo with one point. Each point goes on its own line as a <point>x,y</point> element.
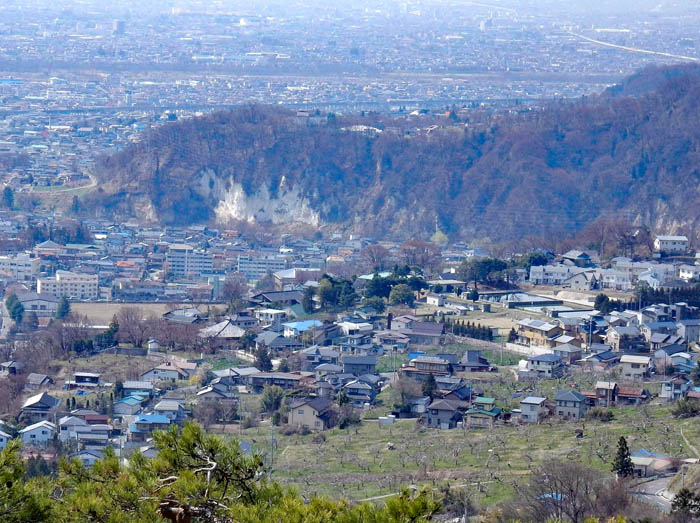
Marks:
<point>372,460</point>
<point>102,313</point>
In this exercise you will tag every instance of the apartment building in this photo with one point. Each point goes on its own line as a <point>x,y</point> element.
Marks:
<point>184,260</point>
<point>70,285</point>
<point>255,267</point>
<point>671,244</point>
<point>20,267</point>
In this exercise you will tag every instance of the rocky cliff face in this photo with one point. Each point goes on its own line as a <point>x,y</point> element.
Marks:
<point>504,176</point>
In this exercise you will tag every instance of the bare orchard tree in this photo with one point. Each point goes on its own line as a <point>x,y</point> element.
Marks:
<point>375,258</point>
<point>235,289</point>
<point>420,253</point>
<point>559,490</point>
<point>133,326</point>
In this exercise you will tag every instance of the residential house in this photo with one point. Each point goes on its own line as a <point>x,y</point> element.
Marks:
<point>37,381</point>
<point>635,367</point>
<point>139,388</point>
<point>624,339</point>
<point>483,413</point>
<point>38,434</point>
<point>171,409</point>
<point>165,371</point>
<point>128,406</point>
<point>144,425</point>
<point>649,328</point>
<point>359,365</point>
<point>419,368</point>
<point>280,298</point>
<point>675,388</point>
<point>628,395</point>
<point>545,366</point>
<point>360,393</point>
<point>442,414</point>
<point>537,333</point>
<point>689,330</point>
<point>223,334</point>
<point>568,353</point>
<point>276,343</point>
<point>88,458</point>
<point>601,361</point>
<point>286,380</point>
<point>88,380</point>
<point>472,361</point>
<point>39,407</point>
<point>533,409</point>
<point>4,439</point>
<point>271,318</point>
<point>605,393</point>
<point>312,414</point>
<point>11,368</point>
<point>582,281</point>
<point>315,356</point>
<point>570,404</point>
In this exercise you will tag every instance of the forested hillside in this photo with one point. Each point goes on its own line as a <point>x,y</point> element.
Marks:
<point>632,151</point>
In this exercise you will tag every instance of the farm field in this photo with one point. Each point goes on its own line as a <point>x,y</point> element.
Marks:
<point>370,460</point>
<point>102,313</point>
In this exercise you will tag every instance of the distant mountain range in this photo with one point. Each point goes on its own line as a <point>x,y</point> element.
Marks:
<point>633,151</point>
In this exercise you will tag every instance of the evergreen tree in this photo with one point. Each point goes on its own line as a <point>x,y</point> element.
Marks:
<point>262,360</point>
<point>429,386</point>
<point>284,366</point>
<point>271,398</point>
<point>512,336</point>
<point>343,398</point>
<point>8,197</point>
<point>685,506</point>
<point>20,500</point>
<point>622,466</point>
<point>63,309</point>
<point>307,300</point>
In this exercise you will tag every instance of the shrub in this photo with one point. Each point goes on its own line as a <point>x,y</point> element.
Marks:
<point>601,414</point>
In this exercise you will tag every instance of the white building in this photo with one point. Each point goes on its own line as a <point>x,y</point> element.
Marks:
<point>671,244</point>
<point>4,439</point>
<point>20,267</point>
<point>256,267</point>
<point>184,260</point>
<point>70,285</point>
<point>688,272</point>
<point>552,274</point>
<point>38,434</point>
<point>614,279</point>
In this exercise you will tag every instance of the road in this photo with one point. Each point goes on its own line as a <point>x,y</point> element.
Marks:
<point>636,49</point>
<point>654,492</point>
<point>5,321</point>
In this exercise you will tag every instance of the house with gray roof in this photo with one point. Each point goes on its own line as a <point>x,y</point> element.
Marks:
<point>570,404</point>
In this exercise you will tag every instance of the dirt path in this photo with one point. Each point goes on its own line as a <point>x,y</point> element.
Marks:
<point>691,447</point>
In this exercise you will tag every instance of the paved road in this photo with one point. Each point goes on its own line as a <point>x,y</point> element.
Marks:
<point>654,492</point>
<point>5,321</point>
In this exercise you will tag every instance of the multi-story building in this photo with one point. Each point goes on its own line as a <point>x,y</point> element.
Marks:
<point>538,333</point>
<point>20,267</point>
<point>184,260</point>
<point>552,274</point>
<point>70,285</point>
<point>255,267</point>
<point>671,244</point>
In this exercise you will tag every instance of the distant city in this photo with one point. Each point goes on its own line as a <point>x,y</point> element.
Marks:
<point>78,79</point>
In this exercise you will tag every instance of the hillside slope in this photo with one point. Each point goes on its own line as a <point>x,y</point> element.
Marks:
<point>527,174</point>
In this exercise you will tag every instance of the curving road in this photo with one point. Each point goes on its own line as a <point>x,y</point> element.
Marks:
<point>654,493</point>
